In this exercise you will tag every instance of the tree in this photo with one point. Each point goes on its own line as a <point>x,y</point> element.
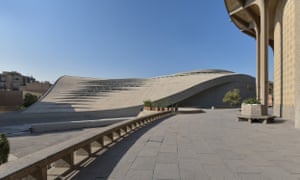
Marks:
<point>30,99</point>
<point>232,97</point>
<point>4,149</point>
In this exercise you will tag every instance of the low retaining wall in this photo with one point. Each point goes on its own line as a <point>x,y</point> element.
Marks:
<point>8,108</point>
<point>71,125</point>
<point>11,98</point>
<point>61,159</point>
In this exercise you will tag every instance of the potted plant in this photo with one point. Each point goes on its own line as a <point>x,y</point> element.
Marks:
<point>156,106</point>
<point>148,105</point>
<point>251,107</point>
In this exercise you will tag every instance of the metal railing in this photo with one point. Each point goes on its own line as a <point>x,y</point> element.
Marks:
<point>61,159</point>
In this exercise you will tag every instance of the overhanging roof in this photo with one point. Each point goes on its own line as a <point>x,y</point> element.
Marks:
<point>245,14</point>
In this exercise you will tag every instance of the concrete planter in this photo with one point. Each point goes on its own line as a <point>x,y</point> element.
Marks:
<point>156,109</point>
<point>251,109</point>
<point>147,108</point>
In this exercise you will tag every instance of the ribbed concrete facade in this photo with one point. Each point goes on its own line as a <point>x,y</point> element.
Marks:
<point>297,63</point>
<point>204,88</point>
<point>284,66</point>
<point>276,21</point>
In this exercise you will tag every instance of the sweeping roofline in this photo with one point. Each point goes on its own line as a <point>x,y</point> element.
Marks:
<point>203,71</point>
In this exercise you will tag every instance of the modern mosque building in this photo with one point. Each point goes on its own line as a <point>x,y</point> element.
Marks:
<point>125,97</point>
<point>274,24</point>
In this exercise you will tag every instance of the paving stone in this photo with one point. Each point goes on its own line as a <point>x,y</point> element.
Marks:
<point>251,176</point>
<point>297,176</point>
<point>212,159</point>
<point>139,175</point>
<point>242,167</point>
<point>202,148</point>
<point>170,139</point>
<point>167,158</point>
<point>191,169</point>
<point>150,152</point>
<point>273,156</point>
<point>166,171</point>
<point>230,155</point>
<point>143,163</point>
<point>157,139</point>
<point>120,170</point>
<point>152,144</point>
<point>257,160</point>
<point>129,157</point>
<point>186,152</point>
<point>168,148</point>
<point>289,166</point>
<point>276,173</point>
<point>218,172</point>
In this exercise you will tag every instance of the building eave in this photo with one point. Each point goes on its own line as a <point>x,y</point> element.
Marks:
<point>245,14</point>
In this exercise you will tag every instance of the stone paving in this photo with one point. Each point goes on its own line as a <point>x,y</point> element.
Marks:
<point>206,146</point>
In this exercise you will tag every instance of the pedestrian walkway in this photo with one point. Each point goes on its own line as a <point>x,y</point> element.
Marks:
<point>205,146</point>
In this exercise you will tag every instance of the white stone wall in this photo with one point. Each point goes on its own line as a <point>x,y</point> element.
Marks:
<point>285,60</point>
<point>297,63</point>
<point>288,57</point>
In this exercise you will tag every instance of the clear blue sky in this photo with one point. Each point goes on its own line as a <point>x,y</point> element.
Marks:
<point>120,38</point>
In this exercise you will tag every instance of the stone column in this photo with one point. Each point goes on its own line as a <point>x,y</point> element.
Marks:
<point>257,62</point>
<point>264,44</point>
<point>297,64</point>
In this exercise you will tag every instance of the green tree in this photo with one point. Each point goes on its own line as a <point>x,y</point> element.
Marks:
<point>4,149</point>
<point>232,97</point>
<point>30,99</point>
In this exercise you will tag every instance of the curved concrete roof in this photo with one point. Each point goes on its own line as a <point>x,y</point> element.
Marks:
<point>77,94</point>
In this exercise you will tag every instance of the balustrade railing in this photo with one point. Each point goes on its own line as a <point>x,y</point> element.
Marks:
<point>61,159</point>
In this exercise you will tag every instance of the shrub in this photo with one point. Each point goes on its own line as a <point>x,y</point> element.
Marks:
<point>4,149</point>
<point>148,103</point>
<point>156,104</point>
<point>232,97</point>
<point>29,99</point>
<point>251,101</point>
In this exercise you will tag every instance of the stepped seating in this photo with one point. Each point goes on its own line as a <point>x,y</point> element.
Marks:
<point>76,94</point>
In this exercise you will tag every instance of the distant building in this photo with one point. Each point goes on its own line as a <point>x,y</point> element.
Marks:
<point>36,88</point>
<point>12,81</point>
<point>14,86</point>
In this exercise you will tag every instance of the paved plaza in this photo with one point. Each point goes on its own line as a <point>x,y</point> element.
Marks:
<point>205,146</point>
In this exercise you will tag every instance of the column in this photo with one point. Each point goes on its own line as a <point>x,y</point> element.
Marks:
<point>264,43</point>
<point>297,65</point>
<point>257,62</point>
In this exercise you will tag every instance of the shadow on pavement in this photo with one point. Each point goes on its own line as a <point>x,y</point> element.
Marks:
<point>104,164</point>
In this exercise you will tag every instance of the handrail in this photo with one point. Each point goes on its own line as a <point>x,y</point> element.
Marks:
<point>63,158</point>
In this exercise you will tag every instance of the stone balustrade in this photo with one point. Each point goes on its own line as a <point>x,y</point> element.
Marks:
<point>61,159</point>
